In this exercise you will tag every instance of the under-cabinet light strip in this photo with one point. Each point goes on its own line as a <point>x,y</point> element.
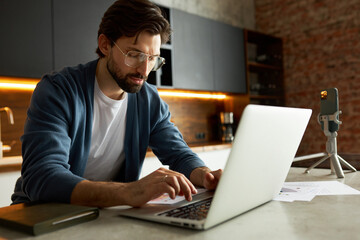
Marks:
<point>192,95</point>
<point>18,83</point>
<point>30,84</point>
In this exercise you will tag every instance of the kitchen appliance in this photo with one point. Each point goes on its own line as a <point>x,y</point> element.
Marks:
<point>226,126</point>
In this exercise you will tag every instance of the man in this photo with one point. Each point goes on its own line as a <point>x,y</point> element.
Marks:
<point>89,127</point>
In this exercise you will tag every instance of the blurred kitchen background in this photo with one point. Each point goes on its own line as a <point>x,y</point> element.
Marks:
<point>222,56</point>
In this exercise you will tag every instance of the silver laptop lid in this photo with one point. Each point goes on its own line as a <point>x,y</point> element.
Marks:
<point>265,144</point>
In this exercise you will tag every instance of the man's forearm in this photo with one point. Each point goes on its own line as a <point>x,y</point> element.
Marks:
<point>99,194</point>
<point>136,194</point>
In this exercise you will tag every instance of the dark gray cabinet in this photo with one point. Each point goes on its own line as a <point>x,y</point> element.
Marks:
<point>208,55</point>
<point>76,25</point>
<point>229,58</point>
<point>44,35</point>
<point>26,40</point>
<point>192,52</point>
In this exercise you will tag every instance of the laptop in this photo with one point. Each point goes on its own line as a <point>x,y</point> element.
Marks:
<point>265,144</point>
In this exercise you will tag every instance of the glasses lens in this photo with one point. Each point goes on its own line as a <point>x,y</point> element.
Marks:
<point>160,61</point>
<point>135,59</point>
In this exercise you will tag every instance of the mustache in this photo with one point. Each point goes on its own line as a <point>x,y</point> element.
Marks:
<point>137,75</point>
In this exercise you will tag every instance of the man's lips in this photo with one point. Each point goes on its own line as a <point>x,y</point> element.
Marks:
<point>137,80</point>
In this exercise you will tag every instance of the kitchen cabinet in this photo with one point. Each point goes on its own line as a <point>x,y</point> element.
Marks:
<point>26,39</point>
<point>48,35</point>
<point>76,25</point>
<point>192,52</point>
<point>163,78</point>
<point>228,58</point>
<point>45,35</point>
<point>208,55</point>
<point>264,63</point>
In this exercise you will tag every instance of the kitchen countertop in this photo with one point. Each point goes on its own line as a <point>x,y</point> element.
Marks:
<point>9,164</point>
<point>198,148</point>
<point>13,163</point>
<point>325,217</point>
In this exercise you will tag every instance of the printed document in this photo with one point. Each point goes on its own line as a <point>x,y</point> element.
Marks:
<point>306,191</point>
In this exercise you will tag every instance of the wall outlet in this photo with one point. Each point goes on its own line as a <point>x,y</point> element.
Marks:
<point>200,135</point>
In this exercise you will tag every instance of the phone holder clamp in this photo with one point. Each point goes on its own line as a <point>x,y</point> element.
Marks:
<point>331,148</point>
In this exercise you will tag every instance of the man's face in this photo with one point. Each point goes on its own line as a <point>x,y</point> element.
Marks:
<point>131,78</point>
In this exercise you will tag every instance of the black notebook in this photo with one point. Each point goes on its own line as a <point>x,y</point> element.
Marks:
<point>45,217</point>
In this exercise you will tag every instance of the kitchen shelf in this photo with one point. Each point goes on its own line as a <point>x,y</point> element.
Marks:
<point>261,66</point>
<point>264,67</point>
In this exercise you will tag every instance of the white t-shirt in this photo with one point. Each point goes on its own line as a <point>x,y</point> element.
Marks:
<point>107,138</point>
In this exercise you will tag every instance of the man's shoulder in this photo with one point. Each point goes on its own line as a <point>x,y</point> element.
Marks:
<point>78,73</point>
<point>75,83</point>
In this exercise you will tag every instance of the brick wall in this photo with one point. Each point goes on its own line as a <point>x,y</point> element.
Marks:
<point>321,50</point>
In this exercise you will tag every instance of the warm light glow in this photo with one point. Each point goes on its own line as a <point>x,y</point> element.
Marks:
<point>18,83</point>
<point>28,84</point>
<point>192,94</point>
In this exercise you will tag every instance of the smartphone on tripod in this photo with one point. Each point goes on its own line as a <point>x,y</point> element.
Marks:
<point>329,105</point>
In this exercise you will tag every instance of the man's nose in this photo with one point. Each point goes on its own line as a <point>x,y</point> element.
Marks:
<point>144,69</point>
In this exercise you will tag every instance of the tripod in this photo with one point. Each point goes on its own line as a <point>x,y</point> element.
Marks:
<point>331,149</point>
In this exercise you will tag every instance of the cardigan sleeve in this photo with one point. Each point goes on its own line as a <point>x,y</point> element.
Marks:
<point>169,146</point>
<point>46,174</point>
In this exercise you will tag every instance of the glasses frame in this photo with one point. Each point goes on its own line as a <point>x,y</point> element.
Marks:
<point>147,58</point>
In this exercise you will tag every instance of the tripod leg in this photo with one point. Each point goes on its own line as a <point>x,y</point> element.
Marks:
<point>346,164</point>
<point>332,168</point>
<point>315,164</point>
<point>336,163</point>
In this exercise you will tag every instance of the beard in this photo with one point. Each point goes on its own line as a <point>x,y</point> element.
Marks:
<point>123,80</point>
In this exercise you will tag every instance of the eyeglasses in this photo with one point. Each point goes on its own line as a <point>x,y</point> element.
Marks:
<point>134,59</point>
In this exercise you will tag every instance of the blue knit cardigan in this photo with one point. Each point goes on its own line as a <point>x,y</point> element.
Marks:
<point>57,136</point>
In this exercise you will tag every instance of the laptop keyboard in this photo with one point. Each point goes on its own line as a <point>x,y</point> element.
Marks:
<point>195,211</point>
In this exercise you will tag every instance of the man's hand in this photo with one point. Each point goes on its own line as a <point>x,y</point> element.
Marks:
<point>157,183</point>
<point>138,193</point>
<point>212,178</point>
<point>206,178</point>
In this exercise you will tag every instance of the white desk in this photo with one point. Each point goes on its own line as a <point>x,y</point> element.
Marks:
<point>325,217</point>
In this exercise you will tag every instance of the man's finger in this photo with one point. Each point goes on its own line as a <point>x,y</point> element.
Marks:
<point>217,174</point>
<point>212,179</point>
<point>185,188</point>
<point>174,183</point>
<point>179,175</point>
<point>166,188</point>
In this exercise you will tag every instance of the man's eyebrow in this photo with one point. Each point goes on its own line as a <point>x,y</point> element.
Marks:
<point>138,50</point>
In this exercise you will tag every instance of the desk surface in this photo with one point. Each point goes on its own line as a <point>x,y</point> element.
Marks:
<point>325,217</point>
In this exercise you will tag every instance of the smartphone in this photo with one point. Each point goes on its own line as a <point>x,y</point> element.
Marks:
<point>329,105</point>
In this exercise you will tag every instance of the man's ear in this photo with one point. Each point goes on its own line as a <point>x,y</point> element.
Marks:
<point>104,44</point>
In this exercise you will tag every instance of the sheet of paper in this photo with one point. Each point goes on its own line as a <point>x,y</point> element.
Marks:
<point>336,188</point>
<point>290,193</point>
<point>165,199</point>
<point>306,191</point>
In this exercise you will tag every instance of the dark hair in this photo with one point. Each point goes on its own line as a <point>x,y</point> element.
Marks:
<point>131,17</point>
